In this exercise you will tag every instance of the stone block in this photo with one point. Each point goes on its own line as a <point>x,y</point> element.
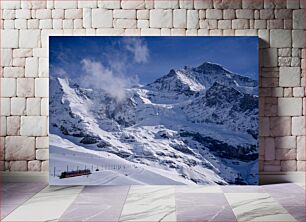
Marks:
<point>45,165</point>
<point>5,106</point>
<point>289,76</point>
<point>22,53</point>
<point>13,72</point>
<point>186,4</point>
<point>285,154</point>
<point>245,14</point>
<point>8,87</point>
<point>31,67</point>
<point>87,4</point>
<point>240,24</point>
<point>166,4</point>
<point>18,106</point>
<point>288,165</point>
<point>73,13</point>
<point>229,14</point>
<point>203,4</point>
<point>160,18</point>
<point>124,14</point>
<point>6,57</point>
<point>3,130</point>
<point>142,24</point>
<point>299,19</point>
<point>269,148</point>
<point>33,106</point>
<point>143,14</point>
<point>227,4</point>
<point>298,92</point>
<point>42,154</point>
<point>301,148</point>
<point>42,142</point>
<point>58,14</point>
<point>25,87</point>
<point>43,67</point>
<point>214,14</point>
<point>19,148</point>
<point>34,165</point>
<point>125,23</point>
<point>192,19</point>
<point>13,125</point>
<point>285,142</point>
<point>224,24</point>
<point>102,18</point>
<point>43,13</point>
<point>18,166</point>
<point>9,38</point>
<point>44,107</point>
<point>280,38</point>
<point>41,87</point>
<point>252,4</point>
<point>10,5</point>
<point>179,18</point>
<point>109,4</point>
<point>270,57</point>
<point>34,126</point>
<point>29,38</point>
<point>298,38</point>
<point>289,106</point>
<point>280,126</point>
<point>298,126</point>
<point>65,4</point>
<point>264,126</point>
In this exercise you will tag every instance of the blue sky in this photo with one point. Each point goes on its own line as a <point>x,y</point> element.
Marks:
<point>150,57</point>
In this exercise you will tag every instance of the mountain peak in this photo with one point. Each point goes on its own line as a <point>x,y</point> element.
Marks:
<point>211,66</point>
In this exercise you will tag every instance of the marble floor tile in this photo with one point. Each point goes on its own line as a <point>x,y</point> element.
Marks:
<point>6,210</point>
<point>97,204</point>
<point>149,203</point>
<point>15,198</point>
<point>242,189</point>
<point>203,207</point>
<point>283,188</point>
<point>22,187</point>
<point>298,212</point>
<point>257,207</point>
<point>290,199</point>
<point>47,205</point>
<point>198,189</point>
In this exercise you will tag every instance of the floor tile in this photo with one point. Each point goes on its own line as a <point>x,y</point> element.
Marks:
<point>97,204</point>
<point>198,189</point>
<point>22,187</point>
<point>48,205</point>
<point>298,212</point>
<point>15,198</point>
<point>6,210</point>
<point>283,188</point>
<point>242,189</point>
<point>203,207</point>
<point>257,207</point>
<point>150,203</point>
<point>291,199</point>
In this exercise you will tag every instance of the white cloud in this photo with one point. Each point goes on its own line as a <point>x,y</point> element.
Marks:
<point>138,48</point>
<point>99,77</point>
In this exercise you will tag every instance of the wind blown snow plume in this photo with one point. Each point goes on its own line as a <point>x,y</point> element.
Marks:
<point>99,77</point>
<point>138,48</point>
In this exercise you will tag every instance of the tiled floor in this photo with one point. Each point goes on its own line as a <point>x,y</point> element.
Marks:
<point>39,202</point>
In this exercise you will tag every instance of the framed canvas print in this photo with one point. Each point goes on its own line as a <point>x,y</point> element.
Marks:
<point>153,110</point>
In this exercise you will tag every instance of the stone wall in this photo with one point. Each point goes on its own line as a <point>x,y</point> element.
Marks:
<point>26,26</point>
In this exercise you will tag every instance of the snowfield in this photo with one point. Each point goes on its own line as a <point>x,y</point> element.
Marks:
<point>191,126</point>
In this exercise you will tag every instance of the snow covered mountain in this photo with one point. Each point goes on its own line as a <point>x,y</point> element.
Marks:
<point>193,125</point>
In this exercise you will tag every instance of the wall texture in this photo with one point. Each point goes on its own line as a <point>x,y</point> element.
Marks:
<point>26,25</point>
